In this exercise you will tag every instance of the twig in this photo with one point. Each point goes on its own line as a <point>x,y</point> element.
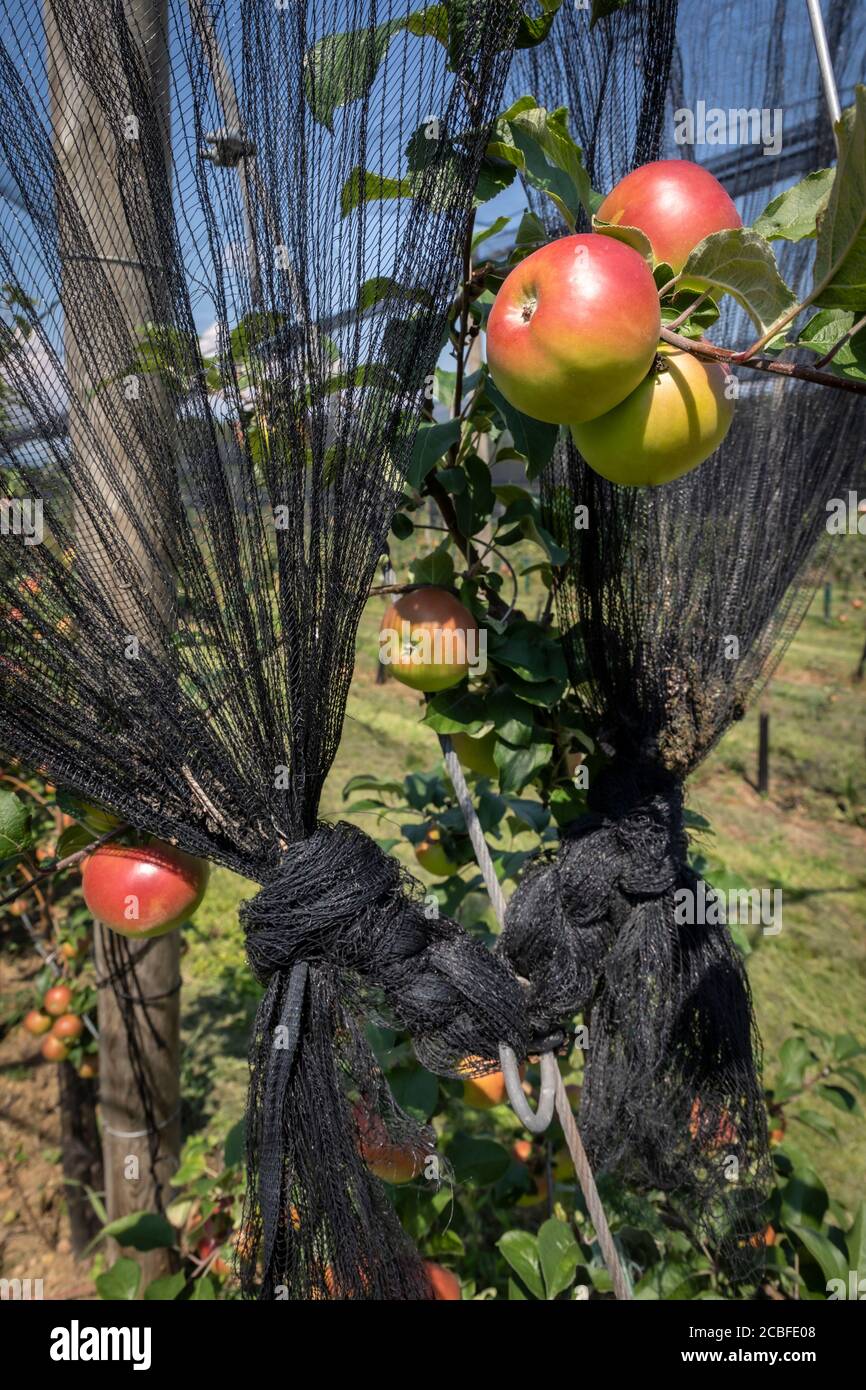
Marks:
<point>846,338</point>
<point>687,313</point>
<point>61,864</point>
<point>701,348</point>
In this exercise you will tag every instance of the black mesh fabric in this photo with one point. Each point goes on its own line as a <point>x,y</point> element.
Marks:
<point>658,584</point>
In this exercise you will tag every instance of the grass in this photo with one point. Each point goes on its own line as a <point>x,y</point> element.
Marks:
<point>807,838</point>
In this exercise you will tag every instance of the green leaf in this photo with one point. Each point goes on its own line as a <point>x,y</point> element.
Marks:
<point>529,652</point>
<point>793,215</point>
<point>840,256</point>
<point>796,1057</point>
<point>141,1230</point>
<point>16,835</point>
<point>493,179</point>
<point>383,287</point>
<point>845,1046</point>
<point>341,68</point>
<point>856,1241</point>
<point>517,766</point>
<point>824,330</point>
<point>513,718</point>
<point>165,1289</point>
<point>839,1097</point>
<point>559,1255</point>
<point>493,230</point>
<point>431,442</point>
<point>602,8</point>
<point>533,31</point>
<point>234,1150</point>
<point>435,568</point>
<point>539,144</point>
<point>120,1282</point>
<point>478,1160</point>
<point>402,526</point>
<point>632,236</point>
<point>535,440</point>
<point>742,264</point>
<point>203,1290</point>
<point>93,817</point>
<point>520,1249</point>
<point>814,1120</point>
<point>531,813</point>
<point>366,186</point>
<point>415,1090</point>
<point>830,1258</point>
<point>456,712</point>
<point>73,839</point>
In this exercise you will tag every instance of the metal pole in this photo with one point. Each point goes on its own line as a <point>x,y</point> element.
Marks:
<point>825,63</point>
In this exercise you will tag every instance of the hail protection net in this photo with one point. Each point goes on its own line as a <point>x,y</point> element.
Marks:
<point>678,601</point>
<point>217,327</point>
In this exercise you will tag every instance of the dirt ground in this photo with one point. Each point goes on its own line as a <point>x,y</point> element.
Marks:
<point>34,1230</point>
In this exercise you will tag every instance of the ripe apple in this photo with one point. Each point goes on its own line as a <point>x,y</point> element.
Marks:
<point>68,1027</point>
<point>574,328</point>
<point>445,1284</point>
<point>676,418</point>
<point>54,1049</point>
<point>392,1162</point>
<point>36,1023</point>
<point>143,891</point>
<point>482,1092</point>
<point>56,1000</point>
<point>433,856</point>
<point>674,202</point>
<point>89,1068</point>
<point>477,753</point>
<point>429,639</point>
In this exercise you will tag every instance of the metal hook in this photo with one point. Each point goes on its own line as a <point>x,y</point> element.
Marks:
<point>536,1121</point>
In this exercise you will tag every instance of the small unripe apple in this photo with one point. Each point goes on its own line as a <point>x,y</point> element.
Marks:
<point>56,1000</point>
<point>429,639</point>
<point>68,1027</point>
<point>477,753</point>
<point>36,1023</point>
<point>89,1068</point>
<point>54,1049</point>
<point>573,328</point>
<point>143,890</point>
<point>676,418</point>
<point>674,202</point>
<point>445,1284</point>
<point>433,856</point>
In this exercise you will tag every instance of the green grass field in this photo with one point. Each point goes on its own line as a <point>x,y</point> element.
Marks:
<point>808,837</point>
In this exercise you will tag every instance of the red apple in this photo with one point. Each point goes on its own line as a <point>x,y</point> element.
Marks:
<point>429,639</point>
<point>68,1027</point>
<point>390,1161</point>
<point>574,328</point>
<point>56,1000</point>
<point>145,890</point>
<point>675,419</point>
<point>675,203</point>
<point>36,1023</point>
<point>54,1049</point>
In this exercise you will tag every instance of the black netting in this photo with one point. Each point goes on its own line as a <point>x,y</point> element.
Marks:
<point>676,605</point>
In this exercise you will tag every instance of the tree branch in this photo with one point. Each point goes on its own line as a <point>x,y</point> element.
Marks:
<point>708,351</point>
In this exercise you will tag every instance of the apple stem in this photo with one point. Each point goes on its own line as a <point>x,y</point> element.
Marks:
<point>708,351</point>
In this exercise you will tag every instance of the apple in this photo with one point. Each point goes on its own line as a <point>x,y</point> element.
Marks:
<point>574,328</point>
<point>444,1283</point>
<point>477,753</point>
<point>143,891</point>
<point>68,1027</point>
<point>56,1000</point>
<point>521,1150</point>
<point>674,202</point>
<point>89,1068</point>
<point>433,856</point>
<point>390,1161</point>
<point>676,418</point>
<point>429,639</point>
<point>36,1023</point>
<point>485,1091</point>
<point>54,1049</point>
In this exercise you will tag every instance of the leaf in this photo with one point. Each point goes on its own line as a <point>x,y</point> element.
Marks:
<point>234,1149</point>
<point>533,31</point>
<point>632,236</point>
<point>559,1255</point>
<point>484,233</point>
<point>203,1290</point>
<point>839,1097</point>
<point>478,1160</point>
<point>365,186</point>
<point>73,839</point>
<point>16,834</point>
<point>415,1090</point>
<point>140,1230</point>
<point>120,1282</point>
<point>539,144</point>
<point>517,766</point>
<point>535,440</point>
<point>520,1249</point>
<point>840,256</point>
<point>402,526</point>
<point>845,1046</point>
<point>814,1120</point>
<point>602,8</point>
<point>531,813</point>
<point>793,215</point>
<point>455,711</point>
<point>435,568</point>
<point>830,1258</point>
<point>341,68</point>
<point>856,1241</point>
<point>742,264</point>
<point>795,1057</point>
<point>383,287</point>
<point>165,1289</point>
<point>530,652</point>
<point>431,442</point>
<point>514,720</point>
<point>824,330</point>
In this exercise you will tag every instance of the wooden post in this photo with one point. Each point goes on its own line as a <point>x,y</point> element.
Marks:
<point>763,753</point>
<point>97,241</point>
